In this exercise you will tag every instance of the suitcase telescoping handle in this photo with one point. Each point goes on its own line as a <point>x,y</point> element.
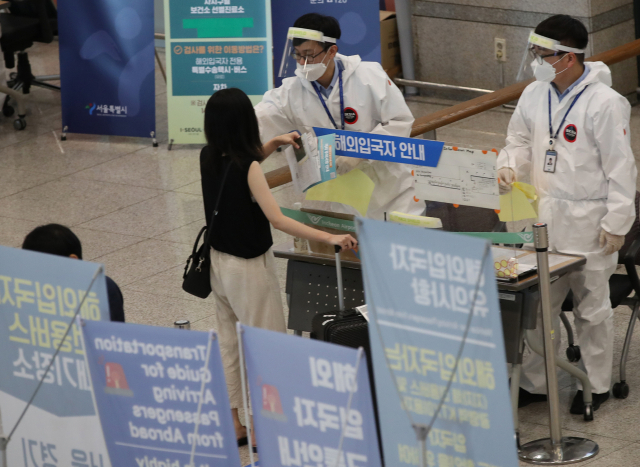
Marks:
<point>339,275</point>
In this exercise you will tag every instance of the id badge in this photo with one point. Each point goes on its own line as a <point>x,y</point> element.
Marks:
<point>550,159</point>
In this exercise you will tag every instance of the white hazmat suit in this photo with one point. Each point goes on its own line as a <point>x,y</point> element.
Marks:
<point>379,108</point>
<point>593,188</point>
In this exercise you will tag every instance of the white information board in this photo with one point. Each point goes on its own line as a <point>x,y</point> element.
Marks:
<point>463,176</point>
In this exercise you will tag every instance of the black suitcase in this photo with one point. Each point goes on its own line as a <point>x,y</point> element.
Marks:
<point>348,328</point>
<point>342,327</point>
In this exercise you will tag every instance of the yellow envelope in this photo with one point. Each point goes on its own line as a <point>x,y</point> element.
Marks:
<point>515,205</point>
<point>353,188</point>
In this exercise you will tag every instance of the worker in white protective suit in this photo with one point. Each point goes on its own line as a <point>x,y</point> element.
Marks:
<point>569,137</point>
<point>330,90</point>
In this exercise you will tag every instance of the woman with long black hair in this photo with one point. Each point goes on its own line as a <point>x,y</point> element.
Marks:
<point>243,273</point>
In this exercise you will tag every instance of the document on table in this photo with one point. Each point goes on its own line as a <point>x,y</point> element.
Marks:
<point>463,176</point>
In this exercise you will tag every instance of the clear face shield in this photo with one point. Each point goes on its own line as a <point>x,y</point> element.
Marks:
<point>533,63</point>
<point>305,50</point>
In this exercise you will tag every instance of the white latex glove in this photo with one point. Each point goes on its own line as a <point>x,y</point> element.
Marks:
<point>611,243</point>
<point>506,176</point>
<point>346,164</point>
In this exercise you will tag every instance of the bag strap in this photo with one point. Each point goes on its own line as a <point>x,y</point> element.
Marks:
<point>205,250</point>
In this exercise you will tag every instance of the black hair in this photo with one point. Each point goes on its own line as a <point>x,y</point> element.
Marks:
<point>54,239</point>
<point>231,128</point>
<point>328,25</point>
<point>566,30</point>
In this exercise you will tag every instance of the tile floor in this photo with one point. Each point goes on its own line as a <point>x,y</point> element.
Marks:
<point>137,209</point>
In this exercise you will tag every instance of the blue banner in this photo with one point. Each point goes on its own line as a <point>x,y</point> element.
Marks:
<point>421,285</point>
<point>107,67</point>
<point>385,148</point>
<point>39,295</point>
<point>148,385</point>
<point>304,394</point>
<point>359,24</point>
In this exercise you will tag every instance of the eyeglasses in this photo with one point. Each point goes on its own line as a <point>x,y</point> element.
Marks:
<point>309,58</point>
<point>540,58</point>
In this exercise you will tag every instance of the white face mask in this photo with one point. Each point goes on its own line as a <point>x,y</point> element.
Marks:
<point>545,71</point>
<point>311,72</point>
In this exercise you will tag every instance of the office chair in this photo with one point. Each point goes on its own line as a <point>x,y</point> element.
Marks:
<point>29,21</point>
<point>621,286</point>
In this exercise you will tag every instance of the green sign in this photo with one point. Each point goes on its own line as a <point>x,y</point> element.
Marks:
<point>320,221</point>
<point>213,45</point>
<point>512,238</point>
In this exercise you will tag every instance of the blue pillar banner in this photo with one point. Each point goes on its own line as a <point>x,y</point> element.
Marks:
<point>359,23</point>
<point>424,288</point>
<point>107,67</point>
<point>311,401</point>
<point>153,405</point>
<point>39,295</point>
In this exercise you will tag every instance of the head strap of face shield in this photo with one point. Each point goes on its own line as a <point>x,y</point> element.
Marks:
<point>309,34</point>
<point>551,44</point>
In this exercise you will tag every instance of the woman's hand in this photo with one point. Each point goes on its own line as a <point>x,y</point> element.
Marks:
<point>343,241</point>
<point>288,138</point>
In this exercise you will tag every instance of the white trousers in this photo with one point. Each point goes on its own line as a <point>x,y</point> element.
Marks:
<point>594,328</point>
<point>245,290</point>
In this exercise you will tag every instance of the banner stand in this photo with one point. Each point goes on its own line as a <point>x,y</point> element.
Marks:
<point>3,445</point>
<point>4,440</point>
<point>243,381</point>
<point>152,135</point>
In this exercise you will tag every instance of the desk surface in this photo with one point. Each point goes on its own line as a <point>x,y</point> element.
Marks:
<point>558,266</point>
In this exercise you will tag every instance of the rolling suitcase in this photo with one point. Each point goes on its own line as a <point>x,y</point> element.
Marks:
<point>348,328</point>
<point>342,327</point>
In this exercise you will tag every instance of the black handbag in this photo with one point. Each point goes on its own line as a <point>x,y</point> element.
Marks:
<point>196,279</point>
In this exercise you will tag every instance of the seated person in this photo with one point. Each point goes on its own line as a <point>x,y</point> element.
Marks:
<point>59,240</point>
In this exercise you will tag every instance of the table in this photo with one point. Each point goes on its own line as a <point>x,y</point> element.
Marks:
<point>4,4</point>
<point>311,288</point>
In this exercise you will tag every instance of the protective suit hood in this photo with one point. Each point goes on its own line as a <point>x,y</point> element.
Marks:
<point>598,73</point>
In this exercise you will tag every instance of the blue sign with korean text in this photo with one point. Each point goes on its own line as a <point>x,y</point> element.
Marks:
<point>148,386</point>
<point>384,147</point>
<point>107,67</point>
<point>300,393</point>
<point>359,24</point>
<point>423,287</point>
<point>39,295</point>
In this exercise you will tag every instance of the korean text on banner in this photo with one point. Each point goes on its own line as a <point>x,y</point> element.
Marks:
<point>39,295</point>
<point>385,148</point>
<point>148,388</point>
<point>300,392</point>
<point>359,23</point>
<point>107,67</point>
<point>420,287</point>
<point>213,45</point>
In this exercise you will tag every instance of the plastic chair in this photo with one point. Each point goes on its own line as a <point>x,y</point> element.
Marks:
<point>621,286</point>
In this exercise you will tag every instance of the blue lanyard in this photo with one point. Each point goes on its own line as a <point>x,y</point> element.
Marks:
<point>324,104</point>
<point>575,99</point>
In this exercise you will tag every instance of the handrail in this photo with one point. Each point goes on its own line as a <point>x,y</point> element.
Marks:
<point>502,96</point>
<point>472,107</point>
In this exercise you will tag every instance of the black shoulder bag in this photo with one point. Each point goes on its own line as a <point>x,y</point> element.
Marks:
<point>196,279</point>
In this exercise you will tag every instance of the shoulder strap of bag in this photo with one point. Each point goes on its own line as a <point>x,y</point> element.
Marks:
<point>205,250</point>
